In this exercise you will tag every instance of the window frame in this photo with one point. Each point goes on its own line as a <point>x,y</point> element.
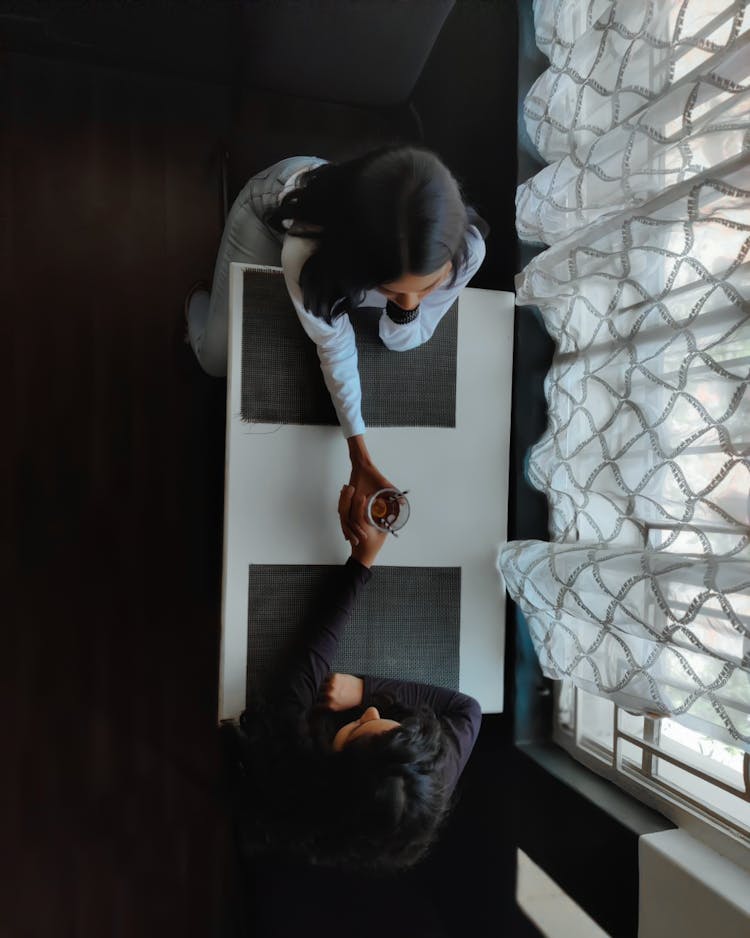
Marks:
<point>686,811</point>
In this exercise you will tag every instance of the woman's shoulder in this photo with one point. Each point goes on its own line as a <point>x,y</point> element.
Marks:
<point>475,247</point>
<point>475,238</point>
<point>295,250</point>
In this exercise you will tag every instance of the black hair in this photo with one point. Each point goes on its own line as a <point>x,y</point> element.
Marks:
<point>376,805</point>
<point>391,212</point>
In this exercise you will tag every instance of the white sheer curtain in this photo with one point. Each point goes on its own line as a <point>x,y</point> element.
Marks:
<point>643,593</point>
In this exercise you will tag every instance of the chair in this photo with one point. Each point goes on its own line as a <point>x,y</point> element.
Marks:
<point>330,78</point>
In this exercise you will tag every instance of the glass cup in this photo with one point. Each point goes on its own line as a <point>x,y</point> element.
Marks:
<point>388,510</point>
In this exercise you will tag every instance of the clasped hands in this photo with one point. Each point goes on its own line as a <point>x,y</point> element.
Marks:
<point>364,481</point>
<point>344,691</point>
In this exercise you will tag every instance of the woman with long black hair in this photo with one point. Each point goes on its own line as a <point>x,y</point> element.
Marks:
<point>389,230</point>
<point>347,770</point>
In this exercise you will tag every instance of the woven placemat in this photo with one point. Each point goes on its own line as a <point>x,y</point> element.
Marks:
<point>282,381</point>
<point>405,625</point>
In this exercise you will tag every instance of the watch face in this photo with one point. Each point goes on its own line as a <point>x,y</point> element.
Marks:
<point>388,509</point>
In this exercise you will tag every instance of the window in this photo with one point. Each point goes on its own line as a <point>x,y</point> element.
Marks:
<point>698,782</point>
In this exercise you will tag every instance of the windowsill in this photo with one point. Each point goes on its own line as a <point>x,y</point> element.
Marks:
<point>627,811</point>
<point>583,832</point>
<point>714,892</point>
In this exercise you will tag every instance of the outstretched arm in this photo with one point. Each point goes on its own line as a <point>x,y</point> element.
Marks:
<point>337,353</point>
<point>337,348</point>
<point>312,661</point>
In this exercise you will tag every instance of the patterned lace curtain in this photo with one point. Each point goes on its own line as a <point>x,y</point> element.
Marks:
<point>642,594</point>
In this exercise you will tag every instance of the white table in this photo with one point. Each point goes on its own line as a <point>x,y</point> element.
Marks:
<point>276,474</point>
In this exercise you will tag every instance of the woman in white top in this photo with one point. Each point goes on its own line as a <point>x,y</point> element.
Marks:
<point>388,229</point>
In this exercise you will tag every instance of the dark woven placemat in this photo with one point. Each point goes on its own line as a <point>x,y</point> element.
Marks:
<point>406,623</point>
<point>282,382</point>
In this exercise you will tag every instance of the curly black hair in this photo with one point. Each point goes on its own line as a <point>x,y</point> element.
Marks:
<point>375,805</point>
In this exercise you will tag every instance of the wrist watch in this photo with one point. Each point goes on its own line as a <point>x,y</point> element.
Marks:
<point>401,316</point>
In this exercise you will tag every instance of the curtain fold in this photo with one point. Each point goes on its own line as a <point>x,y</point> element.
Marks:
<point>604,163</point>
<point>609,58</point>
<point>642,594</point>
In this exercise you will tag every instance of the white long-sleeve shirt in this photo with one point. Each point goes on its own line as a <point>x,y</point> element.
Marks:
<point>337,349</point>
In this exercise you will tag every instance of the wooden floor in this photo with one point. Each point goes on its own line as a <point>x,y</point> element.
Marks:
<point>115,499</point>
<point>112,818</point>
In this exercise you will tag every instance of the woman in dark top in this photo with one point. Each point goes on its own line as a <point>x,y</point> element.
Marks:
<point>345,770</point>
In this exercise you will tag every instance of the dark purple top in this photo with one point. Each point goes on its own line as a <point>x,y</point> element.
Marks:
<point>459,714</point>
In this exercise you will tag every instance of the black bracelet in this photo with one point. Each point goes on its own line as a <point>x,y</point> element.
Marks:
<point>401,316</point>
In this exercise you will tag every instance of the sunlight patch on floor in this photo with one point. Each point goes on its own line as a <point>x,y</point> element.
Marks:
<point>552,911</point>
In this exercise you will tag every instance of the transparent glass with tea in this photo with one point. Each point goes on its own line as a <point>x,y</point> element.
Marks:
<point>388,509</point>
